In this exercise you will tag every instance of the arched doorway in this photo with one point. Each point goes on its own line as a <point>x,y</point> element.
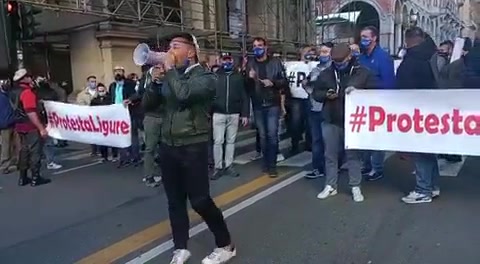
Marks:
<point>368,16</point>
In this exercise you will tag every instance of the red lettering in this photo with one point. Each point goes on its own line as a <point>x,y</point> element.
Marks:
<point>431,124</point>
<point>376,114</point>
<point>94,128</point>
<point>445,124</point>
<point>404,123</point>
<point>417,121</point>
<point>471,125</point>
<point>124,127</point>
<point>457,119</point>
<point>391,118</point>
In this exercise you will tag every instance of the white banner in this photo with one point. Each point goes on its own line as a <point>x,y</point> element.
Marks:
<point>297,71</point>
<point>426,121</point>
<point>100,125</point>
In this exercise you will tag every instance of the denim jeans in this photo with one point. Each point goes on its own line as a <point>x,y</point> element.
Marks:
<point>225,128</point>
<point>132,152</point>
<point>266,120</point>
<point>49,150</point>
<point>298,121</point>
<point>373,159</point>
<point>318,146</point>
<point>427,173</point>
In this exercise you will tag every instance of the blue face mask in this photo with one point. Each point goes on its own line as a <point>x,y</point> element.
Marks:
<point>227,66</point>
<point>324,59</point>
<point>355,54</point>
<point>341,65</point>
<point>258,52</point>
<point>365,42</point>
<point>92,85</point>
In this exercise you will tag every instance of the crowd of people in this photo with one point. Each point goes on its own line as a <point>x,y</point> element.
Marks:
<point>186,116</point>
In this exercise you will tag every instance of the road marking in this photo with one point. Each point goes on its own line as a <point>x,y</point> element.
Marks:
<point>76,156</point>
<point>77,167</point>
<point>300,160</point>
<point>149,235</point>
<point>449,169</point>
<point>247,157</point>
<point>162,248</point>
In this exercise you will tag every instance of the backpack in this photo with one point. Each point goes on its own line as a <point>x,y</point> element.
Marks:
<point>7,112</point>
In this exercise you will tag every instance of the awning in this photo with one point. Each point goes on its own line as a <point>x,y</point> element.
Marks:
<point>337,18</point>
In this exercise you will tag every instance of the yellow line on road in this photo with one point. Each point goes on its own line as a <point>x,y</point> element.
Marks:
<point>146,237</point>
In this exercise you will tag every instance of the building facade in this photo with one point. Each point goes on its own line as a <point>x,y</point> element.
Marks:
<point>442,19</point>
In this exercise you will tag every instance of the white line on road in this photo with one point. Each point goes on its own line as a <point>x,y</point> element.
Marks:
<point>162,248</point>
<point>247,157</point>
<point>78,167</point>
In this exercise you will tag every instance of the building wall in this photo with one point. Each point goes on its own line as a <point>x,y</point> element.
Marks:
<point>396,15</point>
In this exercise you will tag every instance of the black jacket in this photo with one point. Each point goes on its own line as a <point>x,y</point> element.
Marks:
<point>415,71</point>
<point>354,75</point>
<point>231,95</point>
<point>44,93</point>
<point>101,100</point>
<point>128,93</point>
<point>152,101</point>
<point>267,96</point>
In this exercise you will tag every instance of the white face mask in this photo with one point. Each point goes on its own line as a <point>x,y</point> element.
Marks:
<point>402,53</point>
<point>102,93</point>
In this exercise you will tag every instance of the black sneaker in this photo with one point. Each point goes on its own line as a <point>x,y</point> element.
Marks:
<point>151,182</point>
<point>230,171</point>
<point>37,181</point>
<point>273,173</point>
<point>373,176</point>
<point>366,171</point>
<point>314,174</point>
<point>217,174</point>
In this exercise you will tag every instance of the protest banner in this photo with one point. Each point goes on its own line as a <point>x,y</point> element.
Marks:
<point>425,121</point>
<point>297,71</point>
<point>100,125</point>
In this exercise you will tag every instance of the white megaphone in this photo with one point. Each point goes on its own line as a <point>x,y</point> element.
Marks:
<point>142,55</point>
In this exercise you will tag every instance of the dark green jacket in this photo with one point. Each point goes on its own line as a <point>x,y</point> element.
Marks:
<point>188,98</point>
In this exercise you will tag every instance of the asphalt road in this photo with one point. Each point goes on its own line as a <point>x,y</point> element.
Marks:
<point>91,207</point>
<point>293,226</point>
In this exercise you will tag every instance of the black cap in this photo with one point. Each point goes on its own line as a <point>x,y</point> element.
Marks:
<point>225,55</point>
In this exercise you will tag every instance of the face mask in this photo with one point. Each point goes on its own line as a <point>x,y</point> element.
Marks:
<point>355,54</point>
<point>309,57</point>
<point>341,65</point>
<point>118,77</point>
<point>92,85</point>
<point>324,59</point>
<point>102,93</point>
<point>402,53</point>
<point>227,66</point>
<point>258,52</point>
<point>443,54</point>
<point>365,42</point>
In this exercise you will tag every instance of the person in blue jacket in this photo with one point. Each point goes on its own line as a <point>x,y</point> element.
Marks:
<point>375,58</point>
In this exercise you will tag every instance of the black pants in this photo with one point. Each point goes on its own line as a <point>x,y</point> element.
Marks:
<point>30,152</point>
<point>104,152</point>
<point>185,175</point>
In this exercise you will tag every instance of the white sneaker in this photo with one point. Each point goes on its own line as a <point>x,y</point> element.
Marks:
<point>416,198</point>
<point>180,256</point>
<point>53,166</point>
<point>280,157</point>
<point>220,256</point>
<point>327,192</point>
<point>357,194</point>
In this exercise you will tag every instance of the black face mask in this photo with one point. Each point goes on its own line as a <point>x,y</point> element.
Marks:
<point>118,77</point>
<point>443,54</point>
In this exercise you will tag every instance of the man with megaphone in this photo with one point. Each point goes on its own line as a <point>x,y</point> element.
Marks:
<point>187,94</point>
